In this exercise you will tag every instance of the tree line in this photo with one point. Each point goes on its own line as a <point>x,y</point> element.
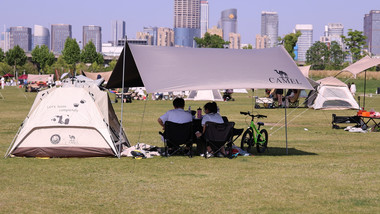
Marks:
<point>44,62</point>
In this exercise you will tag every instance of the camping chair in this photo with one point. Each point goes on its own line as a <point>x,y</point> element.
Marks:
<point>218,135</point>
<point>177,136</point>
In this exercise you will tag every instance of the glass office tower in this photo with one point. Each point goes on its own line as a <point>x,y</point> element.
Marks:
<point>186,22</point>
<point>269,27</point>
<point>228,22</point>
<point>59,34</point>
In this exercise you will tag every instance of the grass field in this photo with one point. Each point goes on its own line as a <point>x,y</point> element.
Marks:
<point>326,170</point>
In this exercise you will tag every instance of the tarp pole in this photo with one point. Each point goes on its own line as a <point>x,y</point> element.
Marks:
<point>122,100</point>
<point>365,83</point>
<point>286,126</point>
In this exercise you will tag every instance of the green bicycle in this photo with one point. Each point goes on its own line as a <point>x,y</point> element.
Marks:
<point>254,136</point>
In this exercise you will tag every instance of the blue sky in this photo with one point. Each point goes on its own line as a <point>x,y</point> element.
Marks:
<point>140,13</point>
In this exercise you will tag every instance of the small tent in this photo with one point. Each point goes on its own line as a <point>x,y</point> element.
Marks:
<point>332,94</point>
<point>213,95</point>
<point>76,120</point>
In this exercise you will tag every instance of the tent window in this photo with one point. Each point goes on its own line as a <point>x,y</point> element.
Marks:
<point>336,103</point>
<point>335,92</point>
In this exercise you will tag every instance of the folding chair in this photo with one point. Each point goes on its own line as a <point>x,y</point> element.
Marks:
<point>177,136</point>
<point>218,135</point>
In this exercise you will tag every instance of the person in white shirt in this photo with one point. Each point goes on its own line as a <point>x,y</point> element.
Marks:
<point>212,115</point>
<point>176,115</point>
<point>353,89</point>
<point>2,82</point>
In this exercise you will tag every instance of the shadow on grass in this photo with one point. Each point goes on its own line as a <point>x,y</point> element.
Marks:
<point>279,151</point>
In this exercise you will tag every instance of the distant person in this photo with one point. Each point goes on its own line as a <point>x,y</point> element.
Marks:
<point>279,93</point>
<point>353,89</point>
<point>2,82</point>
<point>50,81</point>
<point>349,86</point>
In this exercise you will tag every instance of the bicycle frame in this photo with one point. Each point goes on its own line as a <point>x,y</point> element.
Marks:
<point>256,132</point>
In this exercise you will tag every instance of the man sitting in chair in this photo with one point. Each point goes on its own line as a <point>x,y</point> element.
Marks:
<point>176,115</point>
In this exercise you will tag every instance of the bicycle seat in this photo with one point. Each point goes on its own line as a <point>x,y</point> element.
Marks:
<point>260,123</point>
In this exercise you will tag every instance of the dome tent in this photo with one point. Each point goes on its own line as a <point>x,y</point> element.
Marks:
<point>76,120</point>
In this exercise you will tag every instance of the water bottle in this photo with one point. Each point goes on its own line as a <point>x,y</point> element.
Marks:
<point>199,113</point>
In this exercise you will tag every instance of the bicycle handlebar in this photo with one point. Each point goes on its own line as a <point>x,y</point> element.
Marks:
<point>252,115</point>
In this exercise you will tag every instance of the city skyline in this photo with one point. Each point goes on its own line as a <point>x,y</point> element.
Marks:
<point>155,13</point>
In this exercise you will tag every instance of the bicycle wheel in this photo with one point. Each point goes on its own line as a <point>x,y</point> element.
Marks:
<point>262,141</point>
<point>246,140</point>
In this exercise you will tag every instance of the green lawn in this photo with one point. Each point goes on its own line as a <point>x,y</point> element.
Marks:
<point>326,171</point>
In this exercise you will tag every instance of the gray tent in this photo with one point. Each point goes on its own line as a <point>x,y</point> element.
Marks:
<point>179,69</point>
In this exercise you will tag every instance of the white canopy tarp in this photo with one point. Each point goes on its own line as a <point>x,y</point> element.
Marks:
<point>362,65</point>
<point>179,69</point>
<point>305,70</point>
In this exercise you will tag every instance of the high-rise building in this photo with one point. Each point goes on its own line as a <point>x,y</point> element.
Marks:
<point>269,27</point>
<point>146,36</point>
<point>372,31</point>
<point>21,36</point>
<point>204,17</point>
<point>228,22</point>
<point>165,36</point>
<point>333,32</point>
<point>5,40</point>
<point>94,34</point>
<point>186,22</point>
<point>59,34</point>
<point>261,41</point>
<point>235,40</point>
<point>117,31</point>
<point>215,31</point>
<point>305,41</point>
<point>152,31</point>
<point>41,36</point>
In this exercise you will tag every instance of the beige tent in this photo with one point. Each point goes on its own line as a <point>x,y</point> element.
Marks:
<point>332,94</point>
<point>94,76</point>
<point>76,120</point>
<point>38,78</point>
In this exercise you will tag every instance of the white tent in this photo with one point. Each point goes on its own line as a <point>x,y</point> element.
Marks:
<point>76,120</point>
<point>332,94</point>
<point>213,95</point>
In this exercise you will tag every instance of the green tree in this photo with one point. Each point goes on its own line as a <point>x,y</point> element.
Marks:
<point>42,57</point>
<point>28,68</point>
<point>355,41</point>
<point>60,65</point>
<point>111,65</point>
<point>100,59</point>
<point>5,68</point>
<point>88,54</point>
<point>15,57</point>
<point>210,41</point>
<point>290,41</point>
<point>318,56</point>
<point>71,52</point>
<point>248,47</point>
<point>337,56</point>
<point>1,55</point>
